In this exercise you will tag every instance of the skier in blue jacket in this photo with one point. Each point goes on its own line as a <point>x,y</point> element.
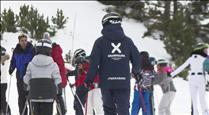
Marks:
<point>110,58</point>
<point>22,55</point>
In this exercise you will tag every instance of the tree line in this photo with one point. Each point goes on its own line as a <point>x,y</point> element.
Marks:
<point>31,22</point>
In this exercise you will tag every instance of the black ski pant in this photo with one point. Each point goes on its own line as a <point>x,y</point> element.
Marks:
<point>116,101</point>
<point>3,99</point>
<point>21,95</point>
<point>42,108</point>
<point>81,92</point>
<point>61,103</point>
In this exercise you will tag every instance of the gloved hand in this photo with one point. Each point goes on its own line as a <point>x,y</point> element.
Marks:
<point>137,76</point>
<point>26,93</point>
<point>87,85</point>
<point>25,88</point>
<point>59,89</point>
<point>71,85</point>
<point>11,71</point>
<point>207,86</point>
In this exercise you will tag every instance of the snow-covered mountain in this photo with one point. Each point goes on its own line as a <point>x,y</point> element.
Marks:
<point>86,17</point>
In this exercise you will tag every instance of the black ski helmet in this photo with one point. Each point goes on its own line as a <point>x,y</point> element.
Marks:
<point>111,18</point>
<point>152,61</point>
<point>44,46</point>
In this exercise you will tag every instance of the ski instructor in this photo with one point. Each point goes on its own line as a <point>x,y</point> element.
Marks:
<point>110,57</point>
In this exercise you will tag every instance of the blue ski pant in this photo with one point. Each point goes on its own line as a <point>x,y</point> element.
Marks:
<point>137,104</point>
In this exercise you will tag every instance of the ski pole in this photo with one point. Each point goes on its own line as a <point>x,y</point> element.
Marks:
<point>31,107</point>
<point>74,25</point>
<point>58,106</point>
<point>75,95</point>
<point>142,99</point>
<point>26,102</point>
<point>86,109</point>
<point>65,100</point>
<point>138,79</point>
<point>8,96</point>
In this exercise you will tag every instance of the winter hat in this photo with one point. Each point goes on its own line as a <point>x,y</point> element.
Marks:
<point>201,46</point>
<point>44,47</point>
<point>111,18</point>
<point>46,35</point>
<point>79,53</point>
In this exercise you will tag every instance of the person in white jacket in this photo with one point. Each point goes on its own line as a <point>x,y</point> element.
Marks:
<point>4,68</point>
<point>197,80</point>
<point>43,79</point>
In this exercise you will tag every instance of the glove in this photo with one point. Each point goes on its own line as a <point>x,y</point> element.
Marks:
<point>11,71</point>
<point>26,93</point>
<point>71,85</point>
<point>137,76</point>
<point>169,74</point>
<point>207,86</point>
<point>25,88</point>
<point>87,85</point>
<point>59,89</point>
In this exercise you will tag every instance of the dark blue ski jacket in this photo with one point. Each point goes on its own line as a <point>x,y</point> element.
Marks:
<point>110,57</point>
<point>21,58</point>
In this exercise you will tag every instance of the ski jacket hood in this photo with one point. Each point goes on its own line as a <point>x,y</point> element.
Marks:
<point>57,57</point>
<point>113,32</point>
<point>56,48</point>
<point>42,60</point>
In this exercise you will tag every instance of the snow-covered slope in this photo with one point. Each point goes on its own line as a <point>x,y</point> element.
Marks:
<point>87,15</point>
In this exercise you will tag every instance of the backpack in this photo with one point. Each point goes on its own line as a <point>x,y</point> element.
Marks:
<point>206,65</point>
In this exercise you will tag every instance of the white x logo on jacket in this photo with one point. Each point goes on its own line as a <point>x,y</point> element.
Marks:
<point>116,47</point>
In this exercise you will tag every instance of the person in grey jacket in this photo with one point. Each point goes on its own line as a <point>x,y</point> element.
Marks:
<point>162,78</point>
<point>43,79</point>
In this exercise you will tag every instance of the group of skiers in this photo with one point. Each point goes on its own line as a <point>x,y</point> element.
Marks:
<point>102,80</point>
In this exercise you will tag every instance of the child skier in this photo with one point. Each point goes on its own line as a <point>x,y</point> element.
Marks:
<point>80,61</point>
<point>43,79</point>
<point>5,109</point>
<point>143,101</point>
<point>196,77</point>
<point>162,78</point>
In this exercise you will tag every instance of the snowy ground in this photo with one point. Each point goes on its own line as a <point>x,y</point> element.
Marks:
<point>88,17</point>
